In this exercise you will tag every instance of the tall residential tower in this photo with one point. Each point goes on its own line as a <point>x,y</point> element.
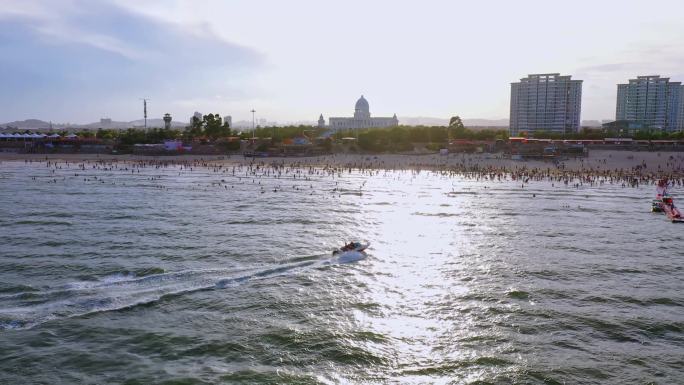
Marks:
<point>655,102</point>
<point>546,102</point>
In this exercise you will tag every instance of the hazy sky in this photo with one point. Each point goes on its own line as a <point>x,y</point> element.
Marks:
<point>80,60</point>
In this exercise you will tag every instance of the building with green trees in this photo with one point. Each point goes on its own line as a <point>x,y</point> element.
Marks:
<point>361,119</point>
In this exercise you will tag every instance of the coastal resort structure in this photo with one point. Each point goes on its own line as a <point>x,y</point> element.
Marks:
<point>362,119</point>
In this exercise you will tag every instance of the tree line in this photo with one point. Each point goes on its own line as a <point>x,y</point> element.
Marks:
<point>402,138</point>
<point>598,134</point>
<point>211,127</point>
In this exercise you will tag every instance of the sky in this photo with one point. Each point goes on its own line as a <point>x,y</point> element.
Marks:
<point>80,60</point>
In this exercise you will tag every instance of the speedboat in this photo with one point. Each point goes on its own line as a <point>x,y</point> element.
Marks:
<point>657,206</point>
<point>671,211</point>
<point>357,247</point>
<point>664,204</point>
<point>351,252</point>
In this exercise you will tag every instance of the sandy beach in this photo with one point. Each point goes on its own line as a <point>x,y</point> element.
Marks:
<point>598,162</point>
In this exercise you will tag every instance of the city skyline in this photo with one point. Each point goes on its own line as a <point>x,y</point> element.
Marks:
<point>80,61</point>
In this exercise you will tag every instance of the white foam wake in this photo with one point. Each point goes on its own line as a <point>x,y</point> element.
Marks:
<point>120,291</point>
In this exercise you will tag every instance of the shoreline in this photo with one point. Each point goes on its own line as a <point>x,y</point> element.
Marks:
<point>599,161</point>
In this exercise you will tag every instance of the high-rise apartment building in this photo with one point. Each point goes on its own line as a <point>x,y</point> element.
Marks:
<point>655,102</point>
<point>546,102</point>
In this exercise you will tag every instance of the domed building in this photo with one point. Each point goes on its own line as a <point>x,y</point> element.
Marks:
<point>362,119</point>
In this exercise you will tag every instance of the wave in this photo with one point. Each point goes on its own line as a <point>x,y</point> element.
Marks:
<point>442,215</point>
<point>43,222</point>
<point>29,308</point>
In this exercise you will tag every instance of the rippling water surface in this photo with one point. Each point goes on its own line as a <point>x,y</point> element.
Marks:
<point>171,275</point>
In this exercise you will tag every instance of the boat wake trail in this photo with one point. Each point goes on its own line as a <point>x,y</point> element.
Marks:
<point>27,309</point>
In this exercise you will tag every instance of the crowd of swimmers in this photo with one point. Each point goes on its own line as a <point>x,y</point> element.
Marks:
<point>234,170</point>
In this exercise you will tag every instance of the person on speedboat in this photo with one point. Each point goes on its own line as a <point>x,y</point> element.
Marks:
<point>349,246</point>
<point>661,188</point>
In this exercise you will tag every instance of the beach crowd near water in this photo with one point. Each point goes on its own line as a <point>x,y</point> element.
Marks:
<point>625,168</point>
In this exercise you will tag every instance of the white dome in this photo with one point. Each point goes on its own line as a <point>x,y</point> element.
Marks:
<point>362,105</point>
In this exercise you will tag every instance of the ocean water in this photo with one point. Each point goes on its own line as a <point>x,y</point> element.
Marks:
<point>203,275</point>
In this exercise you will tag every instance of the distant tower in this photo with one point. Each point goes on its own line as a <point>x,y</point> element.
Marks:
<point>321,122</point>
<point>167,121</point>
<point>145,110</point>
<point>228,119</point>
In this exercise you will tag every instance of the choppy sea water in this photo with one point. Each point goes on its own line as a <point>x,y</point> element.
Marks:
<point>202,276</point>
